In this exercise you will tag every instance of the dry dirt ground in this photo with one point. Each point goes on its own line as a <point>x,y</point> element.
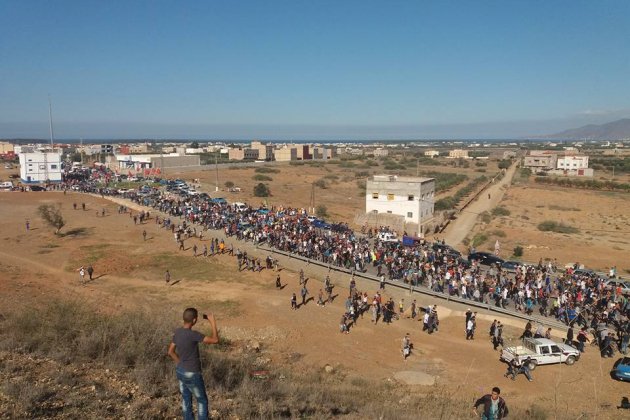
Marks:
<point>601,217</point>
<point>293,183</point>
<point>37,265</point>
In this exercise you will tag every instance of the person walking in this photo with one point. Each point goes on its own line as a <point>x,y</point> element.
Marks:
<point>304,293</point>
<point>470,328</point>
<point>28,225</point>
<point>293,302</point>
<point>167,276</point>
<point>184,350</point>
<point>90,271</point>
<point>278,283</point>
<point>82,274</point>
<point>406,346</point>
<point>144,235</point>
<point>494,407</point>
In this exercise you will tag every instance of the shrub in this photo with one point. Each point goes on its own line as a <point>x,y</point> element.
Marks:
<point>551,226</point>
<point>261,190</point>
<point>52,215</point>
<point>321,211</point>
<point>499,233</point>
<point>518,251</point>
<point>445,203</point>
<point>479,239</point>
<point>264,170</point>
<point>229,184</point>
<point>259,177</point>
<point>500,211</point>
<point>485,217</point>
<point>320,183</point>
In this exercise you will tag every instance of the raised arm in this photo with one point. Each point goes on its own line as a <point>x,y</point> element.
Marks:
<point>214,339</point>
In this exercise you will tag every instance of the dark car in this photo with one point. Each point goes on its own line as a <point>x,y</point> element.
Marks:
<point>621,369</point>
<point>445,249</point>
<point>485,258</point>
<point>36,188</point>
<point>510,265</point>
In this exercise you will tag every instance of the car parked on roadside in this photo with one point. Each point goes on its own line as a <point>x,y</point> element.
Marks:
<point>615,283</point>
<point>485,258</point>
<point>541,351</point>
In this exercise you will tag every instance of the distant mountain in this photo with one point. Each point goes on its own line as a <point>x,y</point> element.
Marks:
<point>615,130</point>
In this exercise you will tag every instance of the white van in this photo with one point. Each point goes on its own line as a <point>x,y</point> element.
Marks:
<point>7,185</point>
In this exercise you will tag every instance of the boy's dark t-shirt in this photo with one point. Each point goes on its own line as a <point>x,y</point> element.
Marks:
<point>186,342</point>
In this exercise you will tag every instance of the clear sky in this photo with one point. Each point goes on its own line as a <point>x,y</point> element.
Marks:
<point>306,69</point>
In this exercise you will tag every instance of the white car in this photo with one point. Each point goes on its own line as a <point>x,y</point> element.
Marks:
<point>387,237</point>
<point>612,284</point>
<point>542,351</point>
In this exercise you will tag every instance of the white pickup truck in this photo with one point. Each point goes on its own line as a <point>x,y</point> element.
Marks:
<point>542,351</point>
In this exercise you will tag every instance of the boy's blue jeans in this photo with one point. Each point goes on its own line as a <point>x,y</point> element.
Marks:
<point>191,383</point>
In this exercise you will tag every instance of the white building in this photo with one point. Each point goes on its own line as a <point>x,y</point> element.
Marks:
<point>36,167</point>
<point>570,162</point>
<point>381,152</point>
<point>432,153</point>
<point>410,197</point>
<point>458,154</point>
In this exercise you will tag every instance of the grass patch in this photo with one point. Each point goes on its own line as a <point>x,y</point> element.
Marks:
<point>563,208</point>
<point>479,239</point>
<point>264,170</point>
<point>498,233</point>
<point>259,177</point>
<point>557,227</point>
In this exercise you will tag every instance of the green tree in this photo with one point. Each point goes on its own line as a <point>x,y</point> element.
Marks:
<point>229,184</point>
<point>261,190</point>
<point>52,215</point>
<point>194,145</point>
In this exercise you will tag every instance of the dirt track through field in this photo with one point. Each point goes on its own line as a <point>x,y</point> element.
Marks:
<point>466,220</point>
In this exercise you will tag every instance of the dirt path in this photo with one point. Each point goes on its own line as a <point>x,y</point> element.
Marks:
<point>461,227</point>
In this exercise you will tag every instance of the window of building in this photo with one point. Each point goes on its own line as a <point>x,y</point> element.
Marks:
<point>42,167</point>
<point>389,211</point>
<point>409,214</point>
<point>390,197</point>
<point>410,197</point>
<point>53,166</point>
<point>375,196</point>
<point>375,211</point>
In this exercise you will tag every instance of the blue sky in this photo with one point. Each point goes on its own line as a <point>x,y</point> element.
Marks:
<point>312,69</point>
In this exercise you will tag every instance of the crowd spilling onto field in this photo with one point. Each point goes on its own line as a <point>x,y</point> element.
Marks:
<point>577,297</point>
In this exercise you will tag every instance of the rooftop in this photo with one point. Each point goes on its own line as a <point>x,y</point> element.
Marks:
<point>396,178</point>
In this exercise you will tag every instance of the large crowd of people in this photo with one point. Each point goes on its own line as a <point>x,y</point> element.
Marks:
<point>578,298</point>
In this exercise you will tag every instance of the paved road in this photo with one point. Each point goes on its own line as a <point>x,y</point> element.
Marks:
<point>458,229</point>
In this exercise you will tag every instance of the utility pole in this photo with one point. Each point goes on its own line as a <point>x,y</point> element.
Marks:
<point>313,198</point>
<point>417,167</point>
<point>216,165</point>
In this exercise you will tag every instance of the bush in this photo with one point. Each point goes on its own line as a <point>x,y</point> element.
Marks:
<point>500,211</point>
<point>321,211</point>
<point>551,226</point>
<point>445,203</point>
<point>479,239</point>
<point>259,177</point>
<point>229,184</point>
<point>261,190</point>
<point>264,170</point>
<point>518,251</point>
<point>320,183</point>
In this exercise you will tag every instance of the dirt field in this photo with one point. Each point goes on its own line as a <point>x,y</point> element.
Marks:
<point>293,183</point>
<point>601,218</point>
<point>37,265</point>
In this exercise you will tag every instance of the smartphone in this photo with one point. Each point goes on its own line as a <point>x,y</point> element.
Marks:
<point>205,316</point>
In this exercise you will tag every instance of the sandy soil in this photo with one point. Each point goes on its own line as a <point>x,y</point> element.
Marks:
<point>601,217</point>
<point>129,274</point>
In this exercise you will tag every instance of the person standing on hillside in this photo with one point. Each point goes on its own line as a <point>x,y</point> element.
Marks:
<point>184,350</point>
<point>494,407</point>
<point>90,271</point>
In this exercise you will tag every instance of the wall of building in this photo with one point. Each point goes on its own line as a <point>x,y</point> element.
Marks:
<point>38,167</point>
<point>572,162</point>
<point>412,198</point>
<point>175,161</point>
<point>285,154</point>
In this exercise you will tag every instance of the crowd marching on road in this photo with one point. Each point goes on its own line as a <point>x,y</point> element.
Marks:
<point>579,298</point>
